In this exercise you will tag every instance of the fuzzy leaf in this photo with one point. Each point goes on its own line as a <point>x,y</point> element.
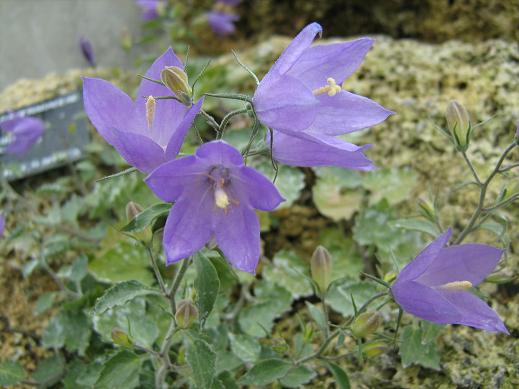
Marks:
<point>207,286</point>
<point>11,373</point>
<point>266,372</point>
<point>120,294</point>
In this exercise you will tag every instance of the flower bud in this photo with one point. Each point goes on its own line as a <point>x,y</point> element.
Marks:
<point>132,210</point>
<point>365,324</point>
<point>121,338</point>
<point>427,210</point>
<point>186,314</point>
<point>389,277</point>
<point>321,268</point>
<point>458,123</point>
<point>374,348</point>
<point>176,80</point>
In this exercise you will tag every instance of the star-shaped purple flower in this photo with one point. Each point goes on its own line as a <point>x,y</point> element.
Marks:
<point>150,8</point>
<point>301,99</point>
<point>215,197</point>
<point>434,286</point>
<point>24,132</point>
<point>222,23</point>
<point>145,135</point>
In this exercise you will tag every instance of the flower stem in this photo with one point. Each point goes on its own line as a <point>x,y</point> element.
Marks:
<point>232,96</point>
<point>156,270</point>
<point>226,118</point>
<point>471,166</point>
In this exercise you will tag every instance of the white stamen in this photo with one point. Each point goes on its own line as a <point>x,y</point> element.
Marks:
<point>331,89</point>
<point>150,110</point>
<point>456,285</point>
<point>220,198</point>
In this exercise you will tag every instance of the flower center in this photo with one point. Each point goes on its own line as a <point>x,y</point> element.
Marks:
<point>332,88</point>
<point>456,285</point>
<point>220,197</point>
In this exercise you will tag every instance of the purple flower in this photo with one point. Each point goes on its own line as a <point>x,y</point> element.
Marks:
<point>434,286</point>
<point>2,225</point>
<point>87,50</point>
<point>146,132</point>
<point>24,132</point>
<point>150,8</point>
<point>301,99</point>
<point>222,23</point>
<point>215,197</point>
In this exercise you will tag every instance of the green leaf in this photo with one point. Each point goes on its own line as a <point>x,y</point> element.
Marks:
<point>298,376</point>
<point>245,347</point>
<point>120,372</point>
<point>49,371</point>
<point>317,315</point>
<point>417,225</point>
<point>44,302</point>
<point>70,329</point>
<point>207,285</point>
<point>290,181</point>
<point>391,184</point>
<point>120,294</point>
<point>339,294</point>
<point>419,348</point>
<point>147,217</point>
<point>341,377</point>
<point>225,381</point>
<point>266,372</point>
<point>11,373</point>
<point>202,360</point>
<point>346,260</point>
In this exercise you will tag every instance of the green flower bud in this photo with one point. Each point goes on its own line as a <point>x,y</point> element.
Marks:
<point>176,80</point>
<point>374,348</point>
<point>186,314</point>
<point>389,277</point>
<point>427,210</point>
<point>132,210</point>
<point>321,268</point>
<point>365,324</point>
<point>458,123</point>
<point>121,338</point>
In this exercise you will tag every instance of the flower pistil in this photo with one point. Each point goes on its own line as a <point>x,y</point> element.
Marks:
<point>456,285</point>
<point>332,88</point>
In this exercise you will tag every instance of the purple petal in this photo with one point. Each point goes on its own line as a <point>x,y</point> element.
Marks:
<point>108,107</point>
<point>189,225</point>
<point>169,180</point>
<point>222,23</point>
<point>346,112</point>
<point>474,312</point>
<point>468,262</point>
<point>149,9</point>
<point>2,225</point>
<point>285,104</point>
<point>338,60</point>
<point>176,140</point>
<point>149,88</point>
<point>219,153</point>
<point>237,233</point>
<point>420,264</point>
<point>311,150</point>
<point>259,191</point>
<point>25,132</point>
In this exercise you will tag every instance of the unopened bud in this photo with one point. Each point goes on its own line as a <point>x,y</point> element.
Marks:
<point>150,110</point>
<point>458,123</point>
<point>186,314</point>
<point>132,210</point>
<point>121,338</point>
<point>321,268</point>
<point>389,277</point>
<point>365,324</point>
<point>176,80</point>
<point>427,210</point>
<point>374,348</point>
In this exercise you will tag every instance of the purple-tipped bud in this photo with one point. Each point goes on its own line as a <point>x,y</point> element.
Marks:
<point>121,338</point>
<point>88,51</point>
<point>374,348</point>
<point>321,268</point>
<point>365,324</point>
<point>186,314</point>
<point>176,80</point>
<point>458,123</point>
<point>2,225</point>
<point>132,210</point>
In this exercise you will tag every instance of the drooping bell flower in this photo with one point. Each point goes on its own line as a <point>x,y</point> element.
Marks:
<point>215,197</point>
<point>302,101</point>
<point>23,134</point>
<point>150,8</point>
<point>222,23</point>
<point>435,285</point>
<point>147,131</point>
<point>88,51</point>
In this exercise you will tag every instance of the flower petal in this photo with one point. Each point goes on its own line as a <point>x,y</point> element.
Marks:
<point>26,131</point>
<point>237,233</point>
<point>169,180</point>
<point>468,262</point>
<point>346,112</point>
<point>337,60</point>
<point>219,153</point>
<point>423,260</point>
<point>180,132</point>
<point>107,107</point>
<point>189,226</point>
<point>260,192</point>
<point>310,151</point>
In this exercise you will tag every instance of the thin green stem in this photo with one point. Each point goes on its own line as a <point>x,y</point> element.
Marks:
<point>502,203</point>
<point>210,120</point>
<point>156,270</point>
<point>509,167</point>
<point>228,117</point>
<point>230,96</point>
<point>245,67</point>
<point>471,166</point>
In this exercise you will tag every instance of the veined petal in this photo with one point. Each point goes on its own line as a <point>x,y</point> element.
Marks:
<point>180,132</point>
<point>346,112</point>
<point>311,150</point>
<point>237,233</point>
<point>189,226</point>
<point>259,191</point>
<point>336,60</point>
<point>107,107</point>
<point>219,153</point>
<point>169,180</point>
<point>468,262</point>
<point>420,264</point>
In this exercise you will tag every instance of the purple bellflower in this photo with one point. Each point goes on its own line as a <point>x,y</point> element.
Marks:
<point>2,225</point>
<point>215,197</point>
<point>146,132</point>
<point>302,101</point>
<point>222,23</point>
<point>23,132</point>
<point>150,8</point>
<point>434,286</point>
<point>87,50</point>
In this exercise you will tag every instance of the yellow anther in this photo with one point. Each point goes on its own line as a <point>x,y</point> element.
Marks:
<point>150,110</point>
<point>331,89</point>
<point>456,285</point>
<point>220,198</point>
